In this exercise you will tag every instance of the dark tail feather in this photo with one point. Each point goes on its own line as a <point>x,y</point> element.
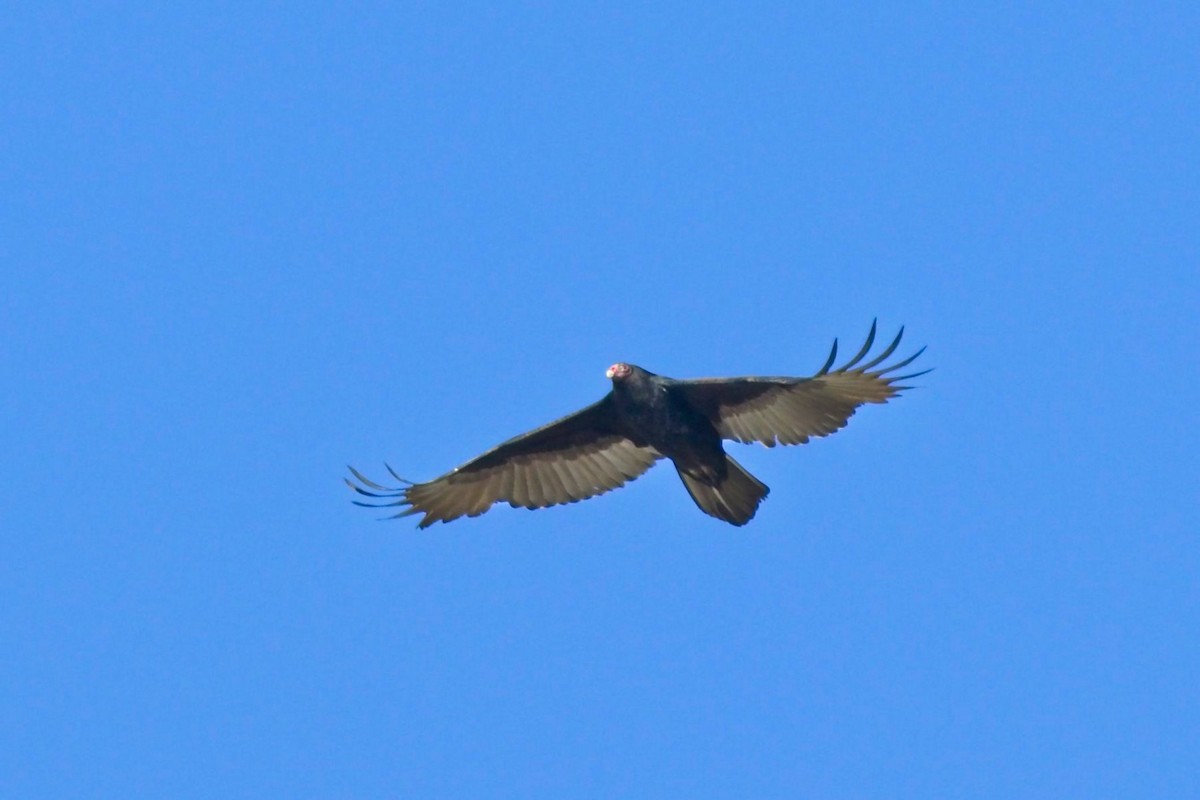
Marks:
<point>734,500</point>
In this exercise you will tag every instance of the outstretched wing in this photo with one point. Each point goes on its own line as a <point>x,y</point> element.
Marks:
<point>573,458</point>
<point>791,410</point>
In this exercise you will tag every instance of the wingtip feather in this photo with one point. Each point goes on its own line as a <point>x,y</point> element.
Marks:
<point>862,351</point>
<point>829,361</point>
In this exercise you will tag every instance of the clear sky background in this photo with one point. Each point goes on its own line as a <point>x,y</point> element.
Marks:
<point>247,244</point>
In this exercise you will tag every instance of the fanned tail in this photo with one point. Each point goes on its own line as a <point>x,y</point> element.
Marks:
<point>735,499</point>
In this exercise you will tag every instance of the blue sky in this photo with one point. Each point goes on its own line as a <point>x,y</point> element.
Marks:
<point>247,244</point>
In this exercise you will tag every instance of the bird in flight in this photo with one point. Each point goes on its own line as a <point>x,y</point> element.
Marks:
<point>645,418</point>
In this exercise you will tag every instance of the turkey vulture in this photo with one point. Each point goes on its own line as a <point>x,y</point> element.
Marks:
<point>647,417</point>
